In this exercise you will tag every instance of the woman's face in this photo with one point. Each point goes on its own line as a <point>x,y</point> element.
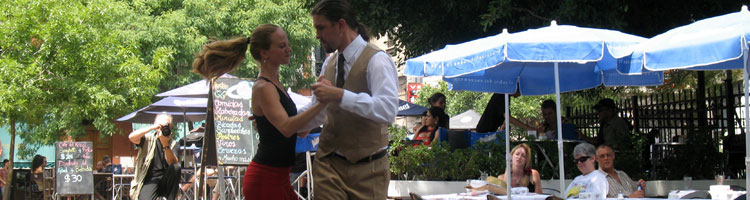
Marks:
<point>584,163</point>
<point>279,51</point>
<point>519,157</point>
<point>430,120</point>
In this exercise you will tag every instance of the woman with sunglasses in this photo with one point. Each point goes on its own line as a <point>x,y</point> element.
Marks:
<point>591,181</point>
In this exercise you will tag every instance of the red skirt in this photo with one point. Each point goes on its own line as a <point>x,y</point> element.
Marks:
<point>266,182</point>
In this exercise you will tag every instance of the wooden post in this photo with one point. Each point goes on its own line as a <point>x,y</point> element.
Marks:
<point>700,96</point>
<point>635,109</point>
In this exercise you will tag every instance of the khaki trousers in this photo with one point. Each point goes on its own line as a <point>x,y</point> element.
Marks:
<point>336,178</point>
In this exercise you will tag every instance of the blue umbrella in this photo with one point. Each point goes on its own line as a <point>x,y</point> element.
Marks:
<point>586,57</point>
<point>716,43</point>
<point>409,109</point>
<point>195,89</point>
<point>181,109</point>
<point>540,61</point>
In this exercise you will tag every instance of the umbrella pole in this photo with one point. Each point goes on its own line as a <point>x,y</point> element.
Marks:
<point>508,184</point>
<point>184,135</point>
<point>747,116</point>
<point>559,132</point>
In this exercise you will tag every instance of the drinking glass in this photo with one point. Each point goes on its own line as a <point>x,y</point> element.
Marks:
<point>688,181</point>
<point>720,179</point>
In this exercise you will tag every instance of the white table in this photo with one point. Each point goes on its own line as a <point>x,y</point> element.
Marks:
<point>483,196</point>
<point>121,182</point>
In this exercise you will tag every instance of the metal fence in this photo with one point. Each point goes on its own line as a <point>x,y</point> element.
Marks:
<point>669,126</point>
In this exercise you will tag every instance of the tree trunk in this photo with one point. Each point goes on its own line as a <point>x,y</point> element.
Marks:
<point>8,187</point>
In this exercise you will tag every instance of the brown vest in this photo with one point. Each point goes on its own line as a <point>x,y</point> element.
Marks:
<point>354,136</point>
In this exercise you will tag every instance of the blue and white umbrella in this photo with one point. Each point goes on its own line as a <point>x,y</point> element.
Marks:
<point>716,43</point>
<point>540,61</point>
<point>181,109</point>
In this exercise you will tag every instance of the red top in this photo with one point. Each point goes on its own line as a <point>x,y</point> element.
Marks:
<point>4,176</point>
<point>423,135</point>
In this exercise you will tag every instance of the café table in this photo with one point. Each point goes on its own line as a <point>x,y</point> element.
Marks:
<point>530,196</point>
<point>483,196</point>
<point>120,183</point>
<point>101,185</point>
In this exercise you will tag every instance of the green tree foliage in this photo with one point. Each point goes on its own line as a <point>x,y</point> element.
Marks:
<point>456,102</point>
<point>67,64</point>
<point>420,27</point>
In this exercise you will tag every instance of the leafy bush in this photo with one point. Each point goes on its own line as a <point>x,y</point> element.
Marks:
<point>438,162</point>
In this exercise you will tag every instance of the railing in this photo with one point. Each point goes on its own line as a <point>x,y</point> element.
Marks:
<point>667,121</point>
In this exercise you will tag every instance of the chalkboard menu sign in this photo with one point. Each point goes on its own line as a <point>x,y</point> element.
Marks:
<point>236,141</point>
<point>74,173</point>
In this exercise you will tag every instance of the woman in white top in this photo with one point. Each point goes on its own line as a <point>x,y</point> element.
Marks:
<point>591,181</point>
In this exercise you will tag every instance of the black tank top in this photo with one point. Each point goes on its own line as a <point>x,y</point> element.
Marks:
<point>274,149</point>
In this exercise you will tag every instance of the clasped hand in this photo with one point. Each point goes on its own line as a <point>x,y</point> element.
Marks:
<point>325,92</point>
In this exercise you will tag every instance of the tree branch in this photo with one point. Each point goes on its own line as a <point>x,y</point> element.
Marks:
<point>531,13</point>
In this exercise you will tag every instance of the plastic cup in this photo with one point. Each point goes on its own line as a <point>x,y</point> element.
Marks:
<point>688,181</point>
<point>720,179</point>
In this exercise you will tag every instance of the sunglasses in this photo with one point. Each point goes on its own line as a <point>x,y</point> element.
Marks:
<point>581,159</point>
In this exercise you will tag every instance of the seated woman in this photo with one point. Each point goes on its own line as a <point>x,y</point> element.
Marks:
<point>428,132</point>
<point>521,173</point>
<point>590,180</point>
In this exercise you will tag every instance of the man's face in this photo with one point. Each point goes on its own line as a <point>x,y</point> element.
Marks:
<point>606,158</point>
<point>440,103</point>
<point>163,120</point>
<point>327,32</point>
<point>605,113</point>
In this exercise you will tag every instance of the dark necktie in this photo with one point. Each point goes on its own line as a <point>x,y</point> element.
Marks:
<point>340,72</point>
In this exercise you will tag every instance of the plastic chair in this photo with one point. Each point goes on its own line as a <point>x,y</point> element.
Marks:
<point>415,196</point>
<point>551,191</point>
<point>308,145</point>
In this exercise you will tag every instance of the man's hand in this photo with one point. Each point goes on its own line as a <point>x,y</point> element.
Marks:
<point>325,92</point>
<point>637,194</point>
<point>324,81</point>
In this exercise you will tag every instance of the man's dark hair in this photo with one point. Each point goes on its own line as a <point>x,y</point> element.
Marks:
<point>106,159</point>
<point>548,104</point>
<point>5,162</point>
<point>333,10</point>
<point>436,97</point>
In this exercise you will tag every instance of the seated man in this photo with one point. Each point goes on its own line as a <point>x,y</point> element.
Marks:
<point>619,182</point>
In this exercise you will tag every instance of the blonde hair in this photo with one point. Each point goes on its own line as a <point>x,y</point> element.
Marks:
<point>527,165</point>
<point>224,56</point>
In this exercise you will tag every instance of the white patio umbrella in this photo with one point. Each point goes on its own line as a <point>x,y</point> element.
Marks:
<point>717,43</point>
<point>547,60</point>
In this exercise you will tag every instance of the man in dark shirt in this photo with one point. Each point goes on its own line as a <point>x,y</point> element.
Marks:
<point>157,172</point>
